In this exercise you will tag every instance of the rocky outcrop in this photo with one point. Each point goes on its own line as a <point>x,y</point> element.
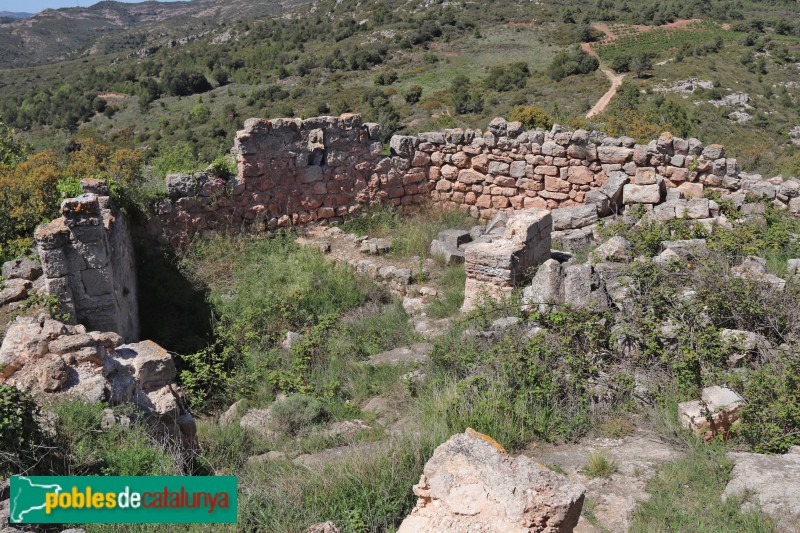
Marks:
<point>88,263</point>
<point>773,484</point>
<point>49,358</point>
<point>471,484</point>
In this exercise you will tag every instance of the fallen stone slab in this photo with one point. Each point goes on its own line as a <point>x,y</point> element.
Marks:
<point>471,484</point>
<point>773,483</point>
<point>574,217</point>
<point>416,353</point>
<point>716,413</point>
<point>617,249</point>
<point>450,253</point>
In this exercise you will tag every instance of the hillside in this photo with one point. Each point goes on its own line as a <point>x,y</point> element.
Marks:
<point>403,63</point>
<point>58,34</point>
<point>410,266</point>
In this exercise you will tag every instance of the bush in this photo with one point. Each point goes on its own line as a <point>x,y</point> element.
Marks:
<point>414,94</point>
<point>574,61</point>
<point>19,430</point>
<point>506,78</point>
<point>464,97</point>
<point>295,413</point>
<point>532,117</point>
<point>28,196</point>
<point>225,166</point>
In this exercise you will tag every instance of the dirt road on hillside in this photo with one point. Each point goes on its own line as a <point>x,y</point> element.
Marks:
<point>600,106</point>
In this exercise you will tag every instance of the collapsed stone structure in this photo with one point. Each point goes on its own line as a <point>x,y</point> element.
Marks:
<point>471,484</point>
<point>294,171</point>
<point>47,357</point>
<point>88,262</point>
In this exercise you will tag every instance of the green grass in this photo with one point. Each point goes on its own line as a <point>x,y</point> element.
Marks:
<point>686,496</point>
<point>598,464</point>
<point>452,286</point>
<point>410,235</point>
<point>264,286</point>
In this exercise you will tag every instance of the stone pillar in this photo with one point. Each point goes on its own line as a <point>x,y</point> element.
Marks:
<point>495,268</point>
<point>88,262</point>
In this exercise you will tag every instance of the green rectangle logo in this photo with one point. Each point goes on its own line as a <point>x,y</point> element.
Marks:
<point>122,500</point>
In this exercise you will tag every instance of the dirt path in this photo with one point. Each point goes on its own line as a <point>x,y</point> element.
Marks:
<point>616,81</point>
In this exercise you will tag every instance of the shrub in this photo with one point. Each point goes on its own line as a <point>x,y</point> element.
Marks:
<point>19,430</point>
<point>464,97</point>
<point>413,94</point>
<point>771,416</point>
<point>225,166</point>
<point>532,117</point>
<point>505,78</point>
<point>295,413</point>
<point>599,465</point>
<point>28,195</point>
<point>574,61</point>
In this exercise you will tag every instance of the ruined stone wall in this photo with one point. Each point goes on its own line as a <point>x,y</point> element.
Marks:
<point>291,172</point>
<point>294,171</point>
<point>88,263</point>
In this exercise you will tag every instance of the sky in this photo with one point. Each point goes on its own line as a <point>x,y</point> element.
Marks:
<point>34,6</point>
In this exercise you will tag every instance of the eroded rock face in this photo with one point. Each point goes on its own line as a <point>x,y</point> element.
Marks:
<point>47,357</point>
<point>471,484</point>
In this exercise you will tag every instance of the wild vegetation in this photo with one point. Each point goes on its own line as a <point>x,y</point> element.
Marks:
<point>557,376</point>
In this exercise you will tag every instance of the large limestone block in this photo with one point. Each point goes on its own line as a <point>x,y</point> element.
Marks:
<point>574,217</point>
<point>151,365</point>
<point>714,414</point>
<point>643,194</point>
<point>471,484</point>
<point>546,287</point>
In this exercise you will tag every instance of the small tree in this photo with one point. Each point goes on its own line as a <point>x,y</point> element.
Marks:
<point>414,94</point>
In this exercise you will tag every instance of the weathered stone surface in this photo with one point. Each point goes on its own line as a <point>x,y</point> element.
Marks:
<point>574,217</point>
<point>772,481</point>
<point>22,268</point>
<point>47,356</point>
<point>325,527</point>
<point>449,253</point>
<point>715,414</point>
<point>616,497</point>
<point>89,265</point>
<point>755,268</point>
<point>471,484</point>
<point>13,290</point>
<point>546,288</point>
<point>617,248</point>
<point>416,353</point>
<point>185,185</point>
<point>643,194</point>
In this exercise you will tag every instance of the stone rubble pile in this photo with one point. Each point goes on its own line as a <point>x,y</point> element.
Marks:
<point>47,357</point>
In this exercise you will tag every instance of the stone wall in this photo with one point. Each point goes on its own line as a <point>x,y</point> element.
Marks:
<point>294,171</point>
<point>88,262</point>
<point>291,172</point>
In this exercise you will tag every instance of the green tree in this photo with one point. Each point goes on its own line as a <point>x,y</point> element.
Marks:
<point>465,99</point>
